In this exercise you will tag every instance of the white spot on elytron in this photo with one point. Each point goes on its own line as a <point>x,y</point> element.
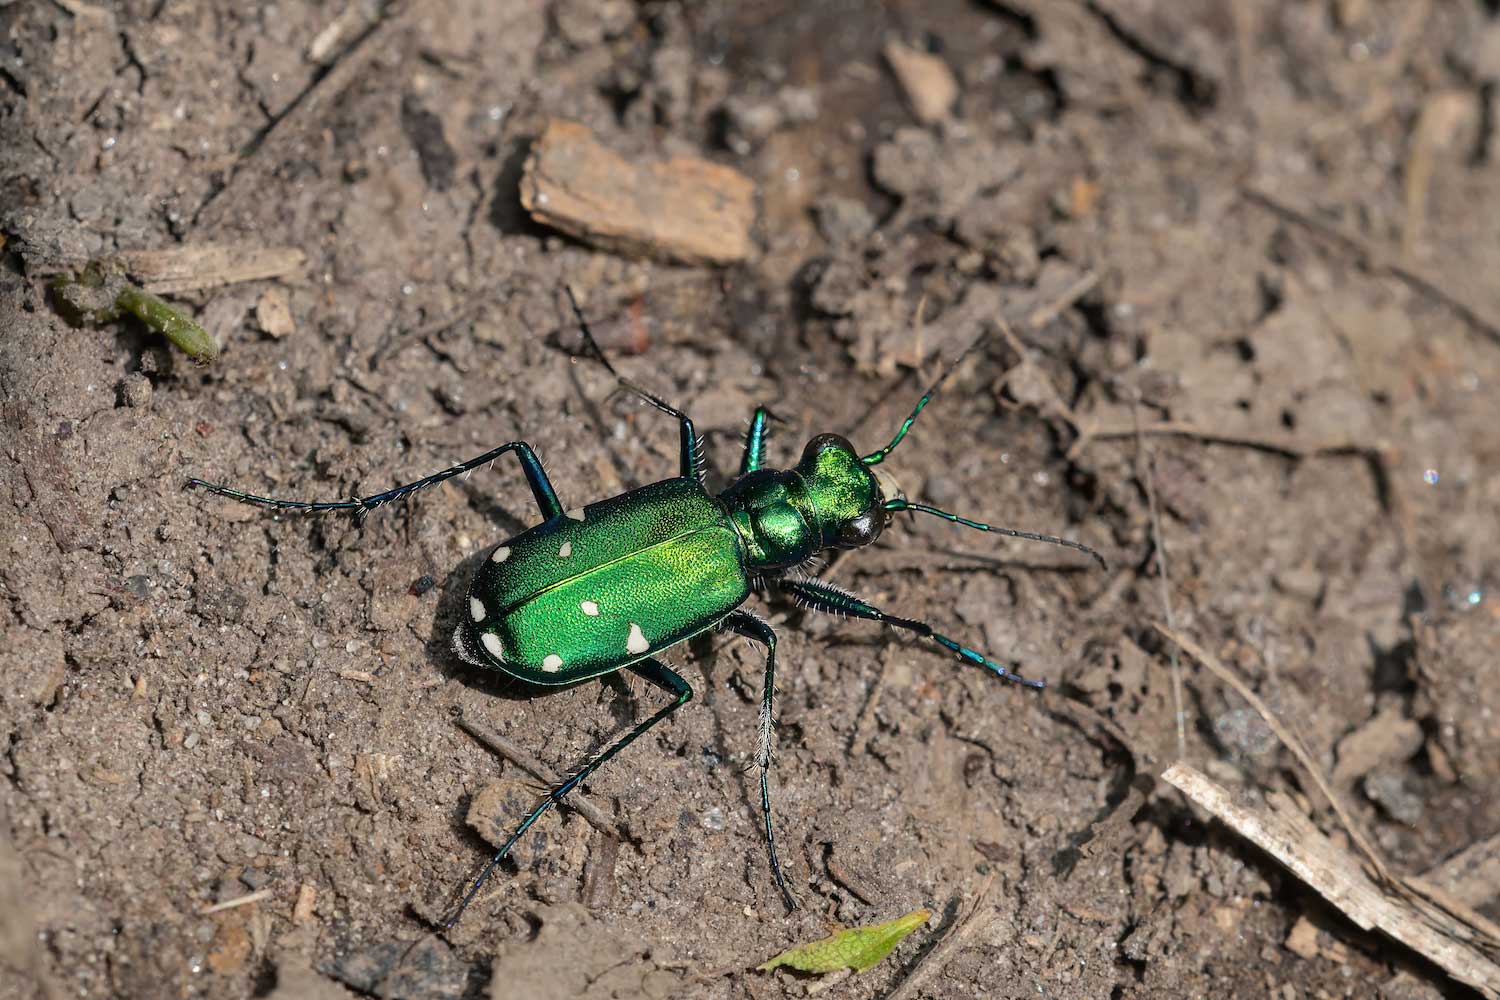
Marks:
<point>501,554</point>
<point>476,609</point>
<point>576,514</point>
<point>590,608</point>
<point>492,643</point>
<point>565,551</point>
<point>552,664</point>
<point>636,643</point>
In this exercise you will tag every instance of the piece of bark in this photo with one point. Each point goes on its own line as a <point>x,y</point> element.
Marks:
<point>205,265</point>
<point>686,210</point>
<point>1283,832</point>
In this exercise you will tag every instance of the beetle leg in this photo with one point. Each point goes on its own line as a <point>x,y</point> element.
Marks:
<point>691,450</point>
<point>536,477</point>
<point>755,441</point>
<point>652,670</point>
<point>753,628</point>
<point>835,600</point>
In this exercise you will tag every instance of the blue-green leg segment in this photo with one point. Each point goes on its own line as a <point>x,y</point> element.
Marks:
<point>755,441</point>
<point>649,669</point>
<point>691,450</point>
<point>751,627</point>
<point>834,600</point>
<point>536,478</point>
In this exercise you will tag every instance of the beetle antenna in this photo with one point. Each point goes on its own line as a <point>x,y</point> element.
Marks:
<point>921,508</point>
<point>876,457</point>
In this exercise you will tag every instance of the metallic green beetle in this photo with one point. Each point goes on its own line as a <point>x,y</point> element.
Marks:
<point>610,585</point>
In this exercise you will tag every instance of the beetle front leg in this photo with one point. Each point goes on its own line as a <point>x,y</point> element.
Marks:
<point>825,597</point>
<point>755,441</point>
<point>753,628</point>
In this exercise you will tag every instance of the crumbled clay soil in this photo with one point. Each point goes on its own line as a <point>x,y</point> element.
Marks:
<point>1268,225</point>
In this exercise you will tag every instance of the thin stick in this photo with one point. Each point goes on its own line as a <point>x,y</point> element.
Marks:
<point>245,900</point>
<point>1149,481</point>
<point>865,724</point>
<point>576,801</point>
<point>1278,444</point>
<point>1043,315</point>
<point>942,953</point>
<point>264,154</point>
<point>1290,740</point>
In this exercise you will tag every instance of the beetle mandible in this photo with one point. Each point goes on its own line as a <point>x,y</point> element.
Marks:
<point>611,585</point>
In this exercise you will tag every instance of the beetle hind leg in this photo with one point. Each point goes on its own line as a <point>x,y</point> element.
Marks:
<point>649,669</point>
<point>753,628</point>
<point>536,478</point>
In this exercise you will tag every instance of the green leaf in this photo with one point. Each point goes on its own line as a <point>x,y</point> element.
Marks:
<point>857,948</point>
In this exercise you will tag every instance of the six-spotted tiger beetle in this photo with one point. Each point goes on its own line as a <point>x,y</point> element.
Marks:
<point>613,584</point>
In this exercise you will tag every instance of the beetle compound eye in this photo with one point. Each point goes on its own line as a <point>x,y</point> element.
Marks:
<point>861,530</point>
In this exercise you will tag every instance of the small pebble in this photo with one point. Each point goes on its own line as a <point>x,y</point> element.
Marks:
<point>134,390</point>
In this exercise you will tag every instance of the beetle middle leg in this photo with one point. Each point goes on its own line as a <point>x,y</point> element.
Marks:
<point>835,600</point>
<point>691,450</point>
<point>753,628</point>
<point>650,669</point>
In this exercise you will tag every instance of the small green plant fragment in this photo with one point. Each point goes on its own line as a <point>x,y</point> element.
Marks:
<point>857,948</point>
<point>99,295</point>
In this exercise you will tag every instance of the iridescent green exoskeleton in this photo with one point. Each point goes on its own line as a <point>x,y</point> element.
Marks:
<point>611,585</point>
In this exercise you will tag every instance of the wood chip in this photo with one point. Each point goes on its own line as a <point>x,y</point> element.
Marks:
<point>1302,939</point>
<point>273,313</point>
<point>929,85</point>
<point>686,210</point>
<point>205,265</point>
<point>307,898</point>
<point>1283,832</point>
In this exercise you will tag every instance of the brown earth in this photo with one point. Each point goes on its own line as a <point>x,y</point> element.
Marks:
<point>1268,225</point>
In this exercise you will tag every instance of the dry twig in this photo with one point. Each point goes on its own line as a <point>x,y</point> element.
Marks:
<point>1147,476</point>
<point>1292,839</point>
<point>1289,739</point>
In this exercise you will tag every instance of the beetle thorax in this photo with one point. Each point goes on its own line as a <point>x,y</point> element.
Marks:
<point>786,516</point>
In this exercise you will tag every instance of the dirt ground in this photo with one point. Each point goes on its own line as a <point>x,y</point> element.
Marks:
<point>1247,255</point>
